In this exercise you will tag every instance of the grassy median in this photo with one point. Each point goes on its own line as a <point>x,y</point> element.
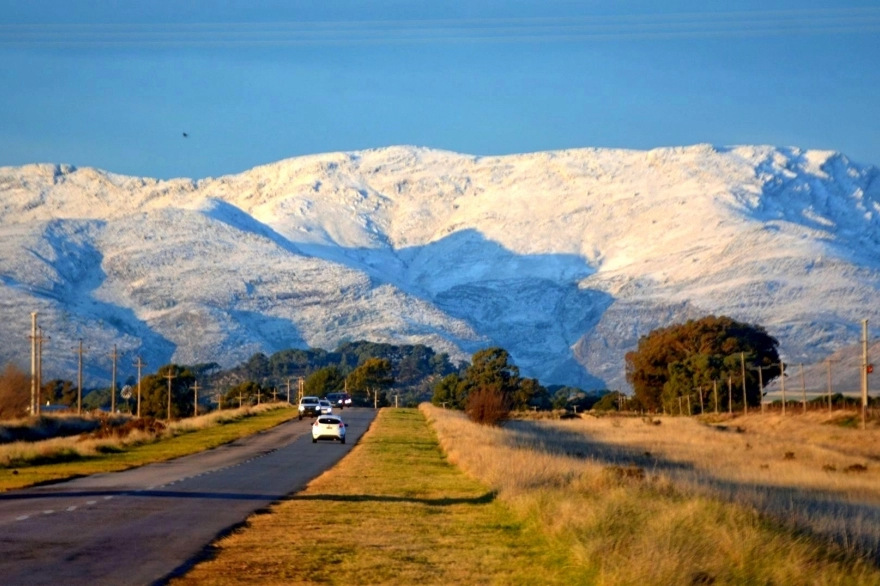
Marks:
<point>394,511</point>
<point>82,458</point>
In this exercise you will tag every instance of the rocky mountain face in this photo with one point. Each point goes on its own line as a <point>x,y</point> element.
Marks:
<point>564,258</point>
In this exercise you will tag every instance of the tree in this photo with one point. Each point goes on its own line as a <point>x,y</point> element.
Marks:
<point>491,369</point>
<point>15,392</point>
<point>154,393</point>
<point>530,394</point>
<point>59,392</point>
<point>371,377</point>
<point>324,380</point>
<point>248,393</point>
<point>449,392</point>
<point>685,359</point>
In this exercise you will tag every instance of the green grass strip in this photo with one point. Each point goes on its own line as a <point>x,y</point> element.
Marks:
<point>393,511</point>
<point>125,457</point>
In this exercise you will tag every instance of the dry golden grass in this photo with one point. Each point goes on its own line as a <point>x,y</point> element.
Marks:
<point>393,511</point>
<point>670,524</point>
<point>27,463</point>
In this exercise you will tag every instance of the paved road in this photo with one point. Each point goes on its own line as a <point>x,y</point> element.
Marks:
<point>142,525</point>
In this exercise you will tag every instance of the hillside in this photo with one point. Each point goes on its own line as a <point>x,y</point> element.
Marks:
<point>564,258</point>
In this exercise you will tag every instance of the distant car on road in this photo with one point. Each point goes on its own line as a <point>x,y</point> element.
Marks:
<point>309,407</point>
<point>326,407</point>
<point>328,427</point>
<point>340,400</point>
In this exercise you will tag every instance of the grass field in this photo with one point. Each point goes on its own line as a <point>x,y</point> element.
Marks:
<point>661,504</point>
<point>394,511</point>
<point>28,463</point>
<point>541,503</point>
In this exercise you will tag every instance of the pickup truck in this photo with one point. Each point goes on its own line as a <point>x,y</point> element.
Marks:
<point>309,407</point>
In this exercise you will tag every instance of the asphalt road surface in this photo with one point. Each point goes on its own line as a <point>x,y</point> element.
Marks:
<point>143,525</point>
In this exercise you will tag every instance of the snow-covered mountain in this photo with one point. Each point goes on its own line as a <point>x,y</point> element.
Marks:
<point>564,258</point>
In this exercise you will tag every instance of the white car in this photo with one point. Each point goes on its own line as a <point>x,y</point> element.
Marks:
<point>328,427</point>
<point>309,407</point>
<point>326,407</point>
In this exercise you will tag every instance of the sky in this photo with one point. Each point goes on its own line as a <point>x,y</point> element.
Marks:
<point>114,84</point>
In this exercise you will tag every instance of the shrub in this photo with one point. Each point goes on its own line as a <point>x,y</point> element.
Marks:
<point>15,395</point>
<point>487,406</point>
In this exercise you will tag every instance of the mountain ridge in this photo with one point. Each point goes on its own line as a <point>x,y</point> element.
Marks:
<point>563,257</point>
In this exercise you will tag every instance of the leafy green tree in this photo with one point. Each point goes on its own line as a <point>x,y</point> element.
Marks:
<point>686,359</point>
<point>491,368</point>
<point>59,392</point>
<point>154,393</point>
<point>324,380</point>
<point>372,377</point>
<point>530,394</point>
<point>609,401</point>
<point>450,392</point>
<point>246,393</point>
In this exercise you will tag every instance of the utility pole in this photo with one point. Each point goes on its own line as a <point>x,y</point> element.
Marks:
<point>288,391</point>
<point>79,379</point>
<point>114,356</point>
<point>761,386</point>
<point>742,361</point>
<point>715,390</point>
<point>828,362</point>
<point>680,412</point>
<point>689,405</point>
<point>140,364</point>
<point>803,388</point>
<point>239,399</point>
<point>258,395</point>
<point>782,382</point>
<point>33,338</point>
<point>40,339</point>
<point>866,368</point>
<point>701,400</point>
<point>170,375</point>
<point>274,394</point>
<point>302,388</point>
<point>730,394</point>
<point>196,399</point>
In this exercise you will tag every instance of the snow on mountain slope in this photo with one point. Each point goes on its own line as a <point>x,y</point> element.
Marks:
<point>565,258</point>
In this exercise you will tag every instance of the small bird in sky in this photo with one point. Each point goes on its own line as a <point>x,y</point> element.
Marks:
<point>185,135</point>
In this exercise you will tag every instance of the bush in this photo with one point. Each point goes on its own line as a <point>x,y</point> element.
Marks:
<point>15,394</point>
<point>487,406</point>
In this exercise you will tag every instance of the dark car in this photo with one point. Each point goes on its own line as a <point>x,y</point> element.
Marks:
<point>339,399</point>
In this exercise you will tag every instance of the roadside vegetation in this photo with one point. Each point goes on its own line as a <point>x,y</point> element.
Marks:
<point>119,445</point>
<point>393,511</point>
<point>636,517</point>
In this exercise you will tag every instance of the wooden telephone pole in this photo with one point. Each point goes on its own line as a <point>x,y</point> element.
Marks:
<point>140,364</point>
<point>866,369</point>
<point>79,378</point>
<point>782,383</point>
<point>196,399</point>
<point>171,375</point>
<point>114,355</point>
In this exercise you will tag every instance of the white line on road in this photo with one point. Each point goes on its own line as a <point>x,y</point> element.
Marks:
<point>91,502</point>
<point>48,512</point>
<point>22,518</point>
<point>73,508</point>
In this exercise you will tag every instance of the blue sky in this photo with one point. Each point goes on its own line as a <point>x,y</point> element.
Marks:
<point>114,84</point>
